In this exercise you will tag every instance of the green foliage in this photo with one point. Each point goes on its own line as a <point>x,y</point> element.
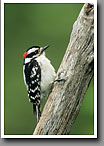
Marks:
<point>37,24</point>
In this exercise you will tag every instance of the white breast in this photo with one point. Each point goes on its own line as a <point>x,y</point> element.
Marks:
<point>47,73</point>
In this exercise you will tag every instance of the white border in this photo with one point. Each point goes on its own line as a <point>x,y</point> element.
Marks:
<point>2,69</point>
<point>49,1</point>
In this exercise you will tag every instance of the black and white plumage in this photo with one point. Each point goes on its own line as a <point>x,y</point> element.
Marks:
<point>39,75</point>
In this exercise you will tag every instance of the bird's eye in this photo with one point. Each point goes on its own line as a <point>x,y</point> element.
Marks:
<point>36,52</point>
<point>32,54</point>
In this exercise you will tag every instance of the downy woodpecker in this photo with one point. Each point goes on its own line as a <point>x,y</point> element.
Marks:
<point>39,75</point>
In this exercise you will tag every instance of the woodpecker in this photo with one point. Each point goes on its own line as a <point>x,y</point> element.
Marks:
<point>39,74</point>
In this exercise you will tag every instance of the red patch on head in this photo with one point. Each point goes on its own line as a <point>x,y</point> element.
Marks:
<point>24,55</point>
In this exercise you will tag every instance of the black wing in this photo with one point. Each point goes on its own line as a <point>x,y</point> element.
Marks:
<point>33,77</point>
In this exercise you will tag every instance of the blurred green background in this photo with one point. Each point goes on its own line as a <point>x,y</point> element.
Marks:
<point>38,24</point>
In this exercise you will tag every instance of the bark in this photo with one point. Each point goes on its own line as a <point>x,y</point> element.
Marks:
<point>75,74</point>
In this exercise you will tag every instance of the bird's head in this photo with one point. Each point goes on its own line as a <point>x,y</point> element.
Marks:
<point>34,52</point>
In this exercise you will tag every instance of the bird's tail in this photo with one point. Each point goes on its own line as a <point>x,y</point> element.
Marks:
<point>36,109</point>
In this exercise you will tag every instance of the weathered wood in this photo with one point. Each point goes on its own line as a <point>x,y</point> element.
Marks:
<point>77,68</point>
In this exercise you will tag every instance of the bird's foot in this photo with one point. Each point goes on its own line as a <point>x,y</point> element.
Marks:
<point>61,77</point>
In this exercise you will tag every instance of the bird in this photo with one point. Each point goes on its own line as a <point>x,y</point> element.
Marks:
<point>39,75</point>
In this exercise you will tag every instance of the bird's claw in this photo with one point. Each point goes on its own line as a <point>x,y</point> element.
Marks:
<point>61,77</point>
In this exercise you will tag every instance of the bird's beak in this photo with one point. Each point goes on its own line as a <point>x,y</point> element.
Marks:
<point>42,49</point>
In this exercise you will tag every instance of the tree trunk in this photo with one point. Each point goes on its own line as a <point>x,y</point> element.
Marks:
<point>74,76</point>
